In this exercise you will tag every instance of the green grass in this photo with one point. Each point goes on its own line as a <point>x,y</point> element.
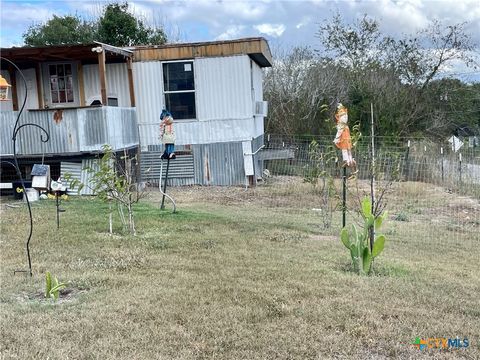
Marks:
<point>237,275</point>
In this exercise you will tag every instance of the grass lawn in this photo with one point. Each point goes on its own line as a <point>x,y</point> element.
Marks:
<point>241,275</point>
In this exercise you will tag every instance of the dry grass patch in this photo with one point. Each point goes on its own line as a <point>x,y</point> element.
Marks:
<point>234,275</point>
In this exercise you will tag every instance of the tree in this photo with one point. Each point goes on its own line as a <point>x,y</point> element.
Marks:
<point>70,29</point>
<point>395,74</point>
<point>419,59</point>
<point>299,88</point>
<point>354,46</point>
<point>119,28</point>
<point>115,26</point>
<point>113,181</point>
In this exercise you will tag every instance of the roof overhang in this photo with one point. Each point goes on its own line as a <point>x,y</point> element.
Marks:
<point>256,48</point>
<point>28,56</point>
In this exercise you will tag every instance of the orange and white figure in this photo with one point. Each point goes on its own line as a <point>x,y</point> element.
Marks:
<point>342,138</point>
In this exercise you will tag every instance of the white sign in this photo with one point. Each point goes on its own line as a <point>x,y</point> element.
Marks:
<point>456,143</point>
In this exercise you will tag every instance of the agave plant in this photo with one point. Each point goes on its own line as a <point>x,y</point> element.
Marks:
<point>357,241</point>
<point>53,287</point>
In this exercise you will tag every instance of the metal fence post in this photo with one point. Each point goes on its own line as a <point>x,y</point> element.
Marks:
<point>442,157</point>
<point>407,165</point>
<point>460,167</point>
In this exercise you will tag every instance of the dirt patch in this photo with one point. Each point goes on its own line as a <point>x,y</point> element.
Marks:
<point>67,295</point>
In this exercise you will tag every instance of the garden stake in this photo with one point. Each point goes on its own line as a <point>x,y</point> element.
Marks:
<point>57,204</point>
<point>372,183</point>
<point>165,185</point>
<point>15,132</point>
<point>167,135</point>
<point>164,194</point>
<point>343,142</point>
<point>344,198</point>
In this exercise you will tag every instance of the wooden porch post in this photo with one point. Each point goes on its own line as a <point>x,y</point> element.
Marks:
<point>38,78</point>
<point>103,76</point>
<point>13,81</point>
<point>81,84</point>
<point>130,82</point>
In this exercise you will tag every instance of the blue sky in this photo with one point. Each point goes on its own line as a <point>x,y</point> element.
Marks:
<point>283,23</point>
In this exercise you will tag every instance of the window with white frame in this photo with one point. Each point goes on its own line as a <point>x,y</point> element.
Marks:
<point>179,89</point>
<point>61,83</point>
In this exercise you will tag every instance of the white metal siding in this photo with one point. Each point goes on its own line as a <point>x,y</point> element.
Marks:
<point>147,80</point>
<point>223,94</point>
<point>223,88</point>
<point>201,132</point>
<point>257,80</point>
<point>77,171</point>
<point>117,83</point>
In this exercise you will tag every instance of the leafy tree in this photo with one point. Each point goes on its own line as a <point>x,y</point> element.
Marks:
<point>355,46</point>
<point>70,29</point>
<point>115,26</point>
<point>119,28</point>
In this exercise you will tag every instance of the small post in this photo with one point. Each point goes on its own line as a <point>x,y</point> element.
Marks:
<point>407,165</point>
<point>58,210</point>
<point>372,184</point>
<point>460,167</point>
<point>443,173</point>
<point>165,185</point>
<point>344,197</point>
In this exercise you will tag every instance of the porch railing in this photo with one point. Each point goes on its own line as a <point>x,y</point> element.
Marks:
<point>72,131</point>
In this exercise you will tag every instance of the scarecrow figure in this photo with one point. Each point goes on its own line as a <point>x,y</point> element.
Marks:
<point>167,135</point>
<point>342,139</point>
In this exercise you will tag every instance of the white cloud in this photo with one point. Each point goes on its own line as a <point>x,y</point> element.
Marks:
<point>287,23</point>
<point>231,33</point>
<point>274,30</point>
<point>305,21</point>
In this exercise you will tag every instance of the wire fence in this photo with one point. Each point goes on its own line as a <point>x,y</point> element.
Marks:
<point>428,189</point>
<point>417,160</point>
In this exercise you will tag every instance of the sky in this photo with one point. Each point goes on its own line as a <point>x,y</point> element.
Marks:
<point>283,23</point>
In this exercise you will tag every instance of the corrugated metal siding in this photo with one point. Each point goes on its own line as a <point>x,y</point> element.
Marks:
<point>117,83</point>
<point>223,100</point>
<point>257,75</point>
<point>77,171</point>
<point>201,132</point>
<point>7,119</point>
<point>219,164</point>
<point>80,130</point>
<point>223,88</point>
<point>148,85</point>
<point>257,81</point>
<point>181,171</point>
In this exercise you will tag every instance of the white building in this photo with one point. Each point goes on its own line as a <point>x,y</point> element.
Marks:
<point>89,95</point>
